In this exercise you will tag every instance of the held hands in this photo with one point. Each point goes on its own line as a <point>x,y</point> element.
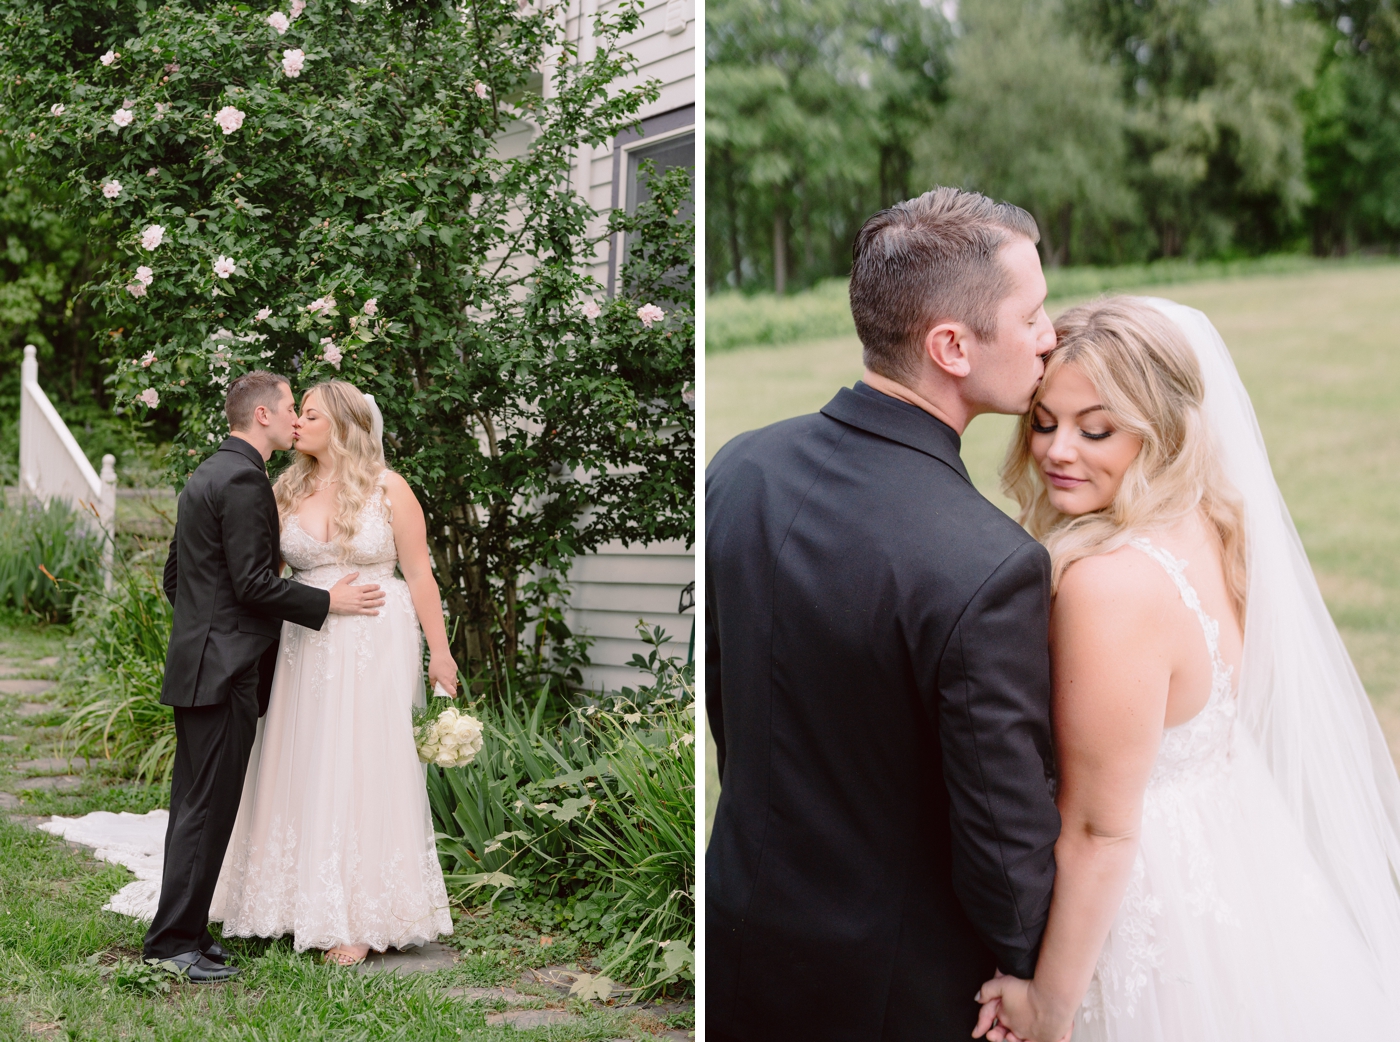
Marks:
<point>355,600</point>
<point>442,669</point>
<point>1012,1011</point>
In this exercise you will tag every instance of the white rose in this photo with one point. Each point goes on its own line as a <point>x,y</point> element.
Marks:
<point>111,189</point>
<point>145,275</point>
<point>298,6</point>
<point>56,110</point>
<point>278,21</point>
<point>372,306</point>
<point>293,62</point>
<point>263,314</point>
<point>223,267</point>
<point>108,58</point>
<point>122,117</point>
<point>152,237</point>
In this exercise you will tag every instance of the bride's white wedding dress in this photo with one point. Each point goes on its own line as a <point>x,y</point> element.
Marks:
<point>1229,930</point>
<point>334,838</point>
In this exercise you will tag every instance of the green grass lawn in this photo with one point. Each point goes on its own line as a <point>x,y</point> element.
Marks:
<point>69,970</point>
<point>1319,351</point>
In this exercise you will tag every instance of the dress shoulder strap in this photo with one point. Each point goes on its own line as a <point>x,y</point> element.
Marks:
<point>1177,570</point>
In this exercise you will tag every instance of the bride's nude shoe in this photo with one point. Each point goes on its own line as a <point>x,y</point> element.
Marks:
<point>339,956</point>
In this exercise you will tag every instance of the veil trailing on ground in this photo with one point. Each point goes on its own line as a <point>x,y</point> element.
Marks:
<point>1299,695</point>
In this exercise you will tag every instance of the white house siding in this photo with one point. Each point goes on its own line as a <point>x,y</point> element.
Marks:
<point>618,585</point>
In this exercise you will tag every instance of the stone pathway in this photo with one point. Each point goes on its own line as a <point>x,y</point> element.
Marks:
<point>538,999</point>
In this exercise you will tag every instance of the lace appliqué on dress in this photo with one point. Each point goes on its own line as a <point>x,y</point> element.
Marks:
<point>1192,759</point>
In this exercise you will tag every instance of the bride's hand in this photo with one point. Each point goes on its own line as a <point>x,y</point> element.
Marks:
<point>1012,1012</point>
<point>442,669</point>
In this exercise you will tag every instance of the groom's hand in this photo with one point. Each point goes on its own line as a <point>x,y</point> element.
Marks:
<point>355,600</point>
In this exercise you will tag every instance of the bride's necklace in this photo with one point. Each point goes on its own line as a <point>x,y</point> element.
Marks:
<point>321,486</point>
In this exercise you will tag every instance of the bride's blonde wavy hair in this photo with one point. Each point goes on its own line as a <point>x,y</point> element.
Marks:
<point>358,461</point>
<point>1149,380</point>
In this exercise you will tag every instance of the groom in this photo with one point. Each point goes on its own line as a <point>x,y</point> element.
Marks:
<point>222,577</point>
<point>877,674</point>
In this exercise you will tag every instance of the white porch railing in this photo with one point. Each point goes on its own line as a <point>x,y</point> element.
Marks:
<point>51,464</point>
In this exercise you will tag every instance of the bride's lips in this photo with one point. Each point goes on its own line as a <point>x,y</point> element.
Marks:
<point>1063,480</point>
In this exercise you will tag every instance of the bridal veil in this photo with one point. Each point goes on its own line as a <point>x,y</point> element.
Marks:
<point>1299,695</point>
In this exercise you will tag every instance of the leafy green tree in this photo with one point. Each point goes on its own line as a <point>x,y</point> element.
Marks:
<point>1034,119</point>
<point>1216,134</point>
<point>380,192</point>
<point>813,111</point>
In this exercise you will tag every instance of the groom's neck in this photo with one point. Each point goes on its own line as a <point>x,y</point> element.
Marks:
<point>261,444</point>
<point>940,402</point>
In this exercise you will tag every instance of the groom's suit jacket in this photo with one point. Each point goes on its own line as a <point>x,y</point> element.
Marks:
<point>221,576</point>
<point>877,683</point>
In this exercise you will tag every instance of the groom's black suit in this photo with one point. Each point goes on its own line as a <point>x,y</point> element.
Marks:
<point>877,682</point>
<point>221,576</point>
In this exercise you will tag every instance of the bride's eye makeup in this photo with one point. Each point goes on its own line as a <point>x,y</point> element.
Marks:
<point>1042,428</point>
<point>1096,435</point>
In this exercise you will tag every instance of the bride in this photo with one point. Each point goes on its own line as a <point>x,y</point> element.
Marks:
<point>334,838</point>
<point>1231,818</point>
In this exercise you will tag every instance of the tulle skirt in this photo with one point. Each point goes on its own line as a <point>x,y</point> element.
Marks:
<point>1228,930</point>
<point>334,838</point>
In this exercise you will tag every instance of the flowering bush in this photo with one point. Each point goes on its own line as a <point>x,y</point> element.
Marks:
<point>326,193</point>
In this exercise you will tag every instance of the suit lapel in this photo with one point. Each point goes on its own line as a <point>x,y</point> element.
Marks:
<point>234,444</point>
<point>889,418</point>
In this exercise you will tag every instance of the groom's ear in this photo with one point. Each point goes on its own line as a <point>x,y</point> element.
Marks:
<point>945,345</point>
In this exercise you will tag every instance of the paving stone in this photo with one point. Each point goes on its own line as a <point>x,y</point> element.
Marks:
<point>9,738</point>
<point>425,959</point>
<point>51,660</point>
<point>9,801</point>
<point>553,976</point>
<point>56,782</point>
<point>52,765</point>
<point>34,709</point>
<point>26,687</point>
<point>525,1019</point>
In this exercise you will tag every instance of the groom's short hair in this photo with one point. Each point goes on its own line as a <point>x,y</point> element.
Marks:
<point>248,392</point>
<point>929,260</point>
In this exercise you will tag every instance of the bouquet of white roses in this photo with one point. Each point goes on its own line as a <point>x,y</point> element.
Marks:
<point>446,736</point>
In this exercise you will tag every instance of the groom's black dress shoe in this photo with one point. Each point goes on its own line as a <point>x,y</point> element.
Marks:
<point>215,953</point>
<point>198,968</point>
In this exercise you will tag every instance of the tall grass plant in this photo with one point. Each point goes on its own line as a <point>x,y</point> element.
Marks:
<point>594,816</point>
<point>48,554</point>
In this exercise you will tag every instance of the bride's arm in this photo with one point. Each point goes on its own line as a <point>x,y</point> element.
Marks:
<point>411,541</point>
<point>1111,672</point>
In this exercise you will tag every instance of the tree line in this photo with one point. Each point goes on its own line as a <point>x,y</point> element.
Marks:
<point>1131,131</point>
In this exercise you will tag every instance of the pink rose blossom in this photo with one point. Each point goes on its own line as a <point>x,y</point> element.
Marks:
<point>321,305</point>
<point>149,396</point>
<point>122,117</point>
<point>330,352</point>
<point>152,172</point>
<point>293,62</point>
<point>145,275</point>
<point>298,6</point>
<point>591,310</point>
<point>147,359</point>
<point>56,110</point>
<point>480,89</point>
<point>223,267</point>
<point>152,237</point>
<point>278,21</point>
<point>172,68</point>
<point>229,118</point>
<point>650,313</point>
<point>111,189</point>
<point>372,306</point>
<point>136,289</point>
<point>108,58</point>
<point>263,314</point>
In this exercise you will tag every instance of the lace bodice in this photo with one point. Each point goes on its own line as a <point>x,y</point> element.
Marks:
<point>1203,742</point>
<point>320,564</point>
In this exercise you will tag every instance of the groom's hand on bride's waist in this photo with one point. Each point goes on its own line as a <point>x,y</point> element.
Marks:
<point>355,600</point>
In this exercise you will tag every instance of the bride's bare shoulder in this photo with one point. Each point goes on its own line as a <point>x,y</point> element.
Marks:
<point>1123,584</point>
